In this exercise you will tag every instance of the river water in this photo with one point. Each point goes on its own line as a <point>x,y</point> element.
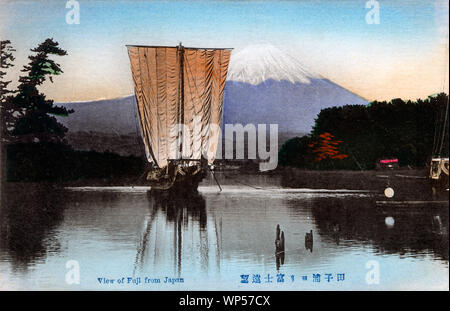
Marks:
<point>124,238</point>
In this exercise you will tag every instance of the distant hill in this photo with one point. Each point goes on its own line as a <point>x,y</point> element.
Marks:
<point>111,116</point>
<point>124,145</point>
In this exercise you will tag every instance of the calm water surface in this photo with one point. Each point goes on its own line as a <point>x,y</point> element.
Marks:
<point>213,238</point>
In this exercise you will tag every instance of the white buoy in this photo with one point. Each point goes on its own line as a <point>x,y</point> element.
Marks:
<point>389,192</point>
<point>389,221</point>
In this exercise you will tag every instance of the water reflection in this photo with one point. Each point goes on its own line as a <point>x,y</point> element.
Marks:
<point>210,239</point>
<point>412,230</point>
<point>279,260</point>
<point>28,219</point>
<point>177,232</point>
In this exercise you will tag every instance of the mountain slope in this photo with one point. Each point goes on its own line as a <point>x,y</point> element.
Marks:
<point>110,116</point>
<point>266,85</point>
<point>293,106</point>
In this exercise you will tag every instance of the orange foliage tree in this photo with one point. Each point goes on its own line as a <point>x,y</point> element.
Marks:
<point>326,147</point>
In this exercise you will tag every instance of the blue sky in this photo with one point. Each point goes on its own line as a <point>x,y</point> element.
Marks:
<point>332,37</point>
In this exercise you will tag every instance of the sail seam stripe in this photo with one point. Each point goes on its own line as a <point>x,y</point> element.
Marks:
<point>140,92</point>
<point>141,132</point>
<point>145,107</point>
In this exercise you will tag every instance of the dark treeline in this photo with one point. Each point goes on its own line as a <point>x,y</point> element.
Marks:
<point>54,162</point>
<point>411,131</point>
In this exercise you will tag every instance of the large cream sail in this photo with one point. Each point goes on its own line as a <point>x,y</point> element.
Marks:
<point>179,93</point>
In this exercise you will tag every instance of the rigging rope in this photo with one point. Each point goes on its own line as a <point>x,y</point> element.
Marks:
<point>444,126</point>
<point>436,117</point>
<point>242,183</point>
<point>136,125</point>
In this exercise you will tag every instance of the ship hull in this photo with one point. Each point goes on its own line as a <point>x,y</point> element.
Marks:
<point>176,179</point>
<point>183,185</point>
<point>439,176</point>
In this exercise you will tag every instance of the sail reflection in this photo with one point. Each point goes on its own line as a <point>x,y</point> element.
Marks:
<point>180,236</point>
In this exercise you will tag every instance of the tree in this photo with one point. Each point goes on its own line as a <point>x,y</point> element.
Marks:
<point>36,121</point>
<point>327,148</point>
<point>6,59</point>
<point>296,153</point>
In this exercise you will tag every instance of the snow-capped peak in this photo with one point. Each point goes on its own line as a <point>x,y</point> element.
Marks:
<point>255,64</point>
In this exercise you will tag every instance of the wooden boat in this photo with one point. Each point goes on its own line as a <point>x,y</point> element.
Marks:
<point>179,94</point>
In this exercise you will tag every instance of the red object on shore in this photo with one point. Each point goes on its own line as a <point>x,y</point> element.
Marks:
<point>389,161</point>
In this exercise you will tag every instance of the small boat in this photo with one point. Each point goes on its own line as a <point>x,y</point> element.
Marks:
<point>179,94</point>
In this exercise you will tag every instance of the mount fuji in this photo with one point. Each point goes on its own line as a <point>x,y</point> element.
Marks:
<point>265,85</point>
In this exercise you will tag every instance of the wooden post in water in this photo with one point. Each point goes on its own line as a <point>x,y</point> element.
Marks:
<point>279,240</point>
<point>279,247</point>
<point>309,240</point>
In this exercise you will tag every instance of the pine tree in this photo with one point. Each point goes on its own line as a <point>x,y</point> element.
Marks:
<point>6,115</point>
<point>36,121</point>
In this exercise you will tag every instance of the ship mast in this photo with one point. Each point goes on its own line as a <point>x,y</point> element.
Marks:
<point>181,100</point>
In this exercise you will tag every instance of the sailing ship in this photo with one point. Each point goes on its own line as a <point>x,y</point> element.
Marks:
<point>179,94</point>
